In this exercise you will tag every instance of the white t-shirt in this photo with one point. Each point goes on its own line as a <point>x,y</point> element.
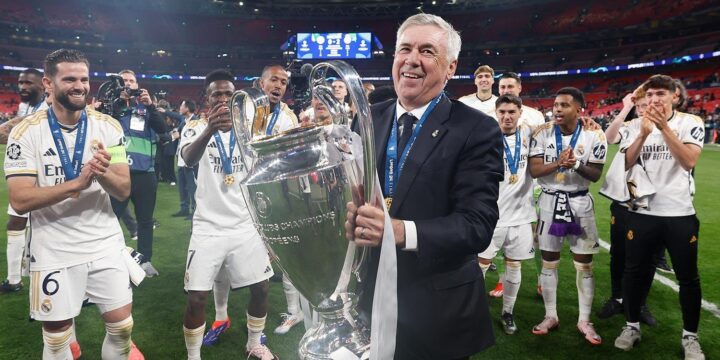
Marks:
<point>487,106</point>
<point>516,200</point>
<point>673,184</point>
<point>531,117</point>
<point>76,230</point>
<point>26,109</point>
<point>591,147</point>
<point>221,208</point>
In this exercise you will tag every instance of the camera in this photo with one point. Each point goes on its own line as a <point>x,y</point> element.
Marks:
<point>109,96</point>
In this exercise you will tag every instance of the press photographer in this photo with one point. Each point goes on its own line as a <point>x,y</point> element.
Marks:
<point>141,121</point>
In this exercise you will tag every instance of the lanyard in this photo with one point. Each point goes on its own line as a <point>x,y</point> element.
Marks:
<point>573,140</point>
<point>70,168</point>
<point>513,162</point>
<point>393,167</point>
<point>224,159</point>
<point>273,120</point>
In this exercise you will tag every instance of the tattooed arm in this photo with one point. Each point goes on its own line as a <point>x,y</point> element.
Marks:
<point>7,126</point>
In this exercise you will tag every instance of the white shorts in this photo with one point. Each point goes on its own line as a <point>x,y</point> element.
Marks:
<point>515,241</point>
<point>244,258</point>
<point>583,244</point>
<point>58,294</point>
<point>12,212</point>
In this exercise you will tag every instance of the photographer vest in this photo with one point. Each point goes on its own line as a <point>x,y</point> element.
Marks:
<point>140,144</point>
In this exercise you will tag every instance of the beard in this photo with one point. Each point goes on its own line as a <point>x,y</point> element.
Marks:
<point>64,99</point>
<point>27,96</point>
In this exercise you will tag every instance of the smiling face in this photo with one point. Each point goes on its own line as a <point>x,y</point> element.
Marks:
<point>484,82</point>
<point>70,85</point>
<point>274,82</point>
<point>421,67</point>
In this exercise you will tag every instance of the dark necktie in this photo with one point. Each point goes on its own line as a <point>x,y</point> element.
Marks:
<point>405,124</point>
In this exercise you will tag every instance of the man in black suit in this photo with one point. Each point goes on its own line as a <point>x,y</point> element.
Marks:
<point>440,177</point>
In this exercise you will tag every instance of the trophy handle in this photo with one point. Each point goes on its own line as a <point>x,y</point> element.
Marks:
<point>247,128</point>
<point>323,92</point>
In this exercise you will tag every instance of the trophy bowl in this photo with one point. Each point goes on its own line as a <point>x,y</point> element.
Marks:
<point>297,188</point>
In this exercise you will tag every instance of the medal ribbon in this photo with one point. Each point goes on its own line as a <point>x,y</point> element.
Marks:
<point>224,158</point>
<point>273,120</point>
<point>513,163</point>
<point>573,140</point>
<point>71,168</point>
<point>39,104</point>
<point>393,167</point>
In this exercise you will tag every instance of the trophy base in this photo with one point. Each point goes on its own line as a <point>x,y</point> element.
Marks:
<point>335,330</point>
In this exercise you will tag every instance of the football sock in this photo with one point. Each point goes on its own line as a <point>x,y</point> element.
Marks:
<point>585,282</point>
<point>193,341</point>
<point>511,284</point>
<point>255,327</point>
<point>116,345</point>
<point>484,268</point>
<point>633,324</point>
<point>57,345</point>
<point>291,295</point>
<point>221,296</point>
<point>15,248</point>
<point>549,283</point>
<point>72,334</point>
<point>686,333</point>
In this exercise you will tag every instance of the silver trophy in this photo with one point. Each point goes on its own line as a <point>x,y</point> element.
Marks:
<point>296,189</point>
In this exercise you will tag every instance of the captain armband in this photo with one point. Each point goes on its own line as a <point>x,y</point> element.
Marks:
<point>118,155</point>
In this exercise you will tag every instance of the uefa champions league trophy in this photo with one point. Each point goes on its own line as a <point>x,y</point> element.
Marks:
<point>296,189</point>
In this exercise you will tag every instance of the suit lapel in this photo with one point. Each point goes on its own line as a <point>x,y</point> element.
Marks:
<point>433,130</point>
<point>382,127</point>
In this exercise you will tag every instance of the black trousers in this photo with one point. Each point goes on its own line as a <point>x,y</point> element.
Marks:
<point>618,231</point>
<point>644,236</point>
<point>143,192</point>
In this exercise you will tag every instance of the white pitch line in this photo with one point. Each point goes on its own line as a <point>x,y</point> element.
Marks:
<point>711,307</point>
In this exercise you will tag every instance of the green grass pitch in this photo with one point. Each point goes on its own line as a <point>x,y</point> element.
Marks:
<point>159,303</point>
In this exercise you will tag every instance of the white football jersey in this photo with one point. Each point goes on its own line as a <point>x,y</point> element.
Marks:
<point>286,119</point>
<point>516,200</point>
<point>591,147</point>
<point>221,208</point>
<point>531,117</point>
<point>673,184</point>
<point>26,109</point>
<point>75,230</point>
<point>487,106</point>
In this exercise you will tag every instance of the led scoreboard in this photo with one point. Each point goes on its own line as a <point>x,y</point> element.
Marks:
<point>334,45</point>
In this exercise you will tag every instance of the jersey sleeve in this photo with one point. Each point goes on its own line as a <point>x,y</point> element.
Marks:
<point>190,133</point>
<point>693,131</point>
<point>537,142</point>
<point>628,133</point>
<point>20,154</point>
<point>599,148</point>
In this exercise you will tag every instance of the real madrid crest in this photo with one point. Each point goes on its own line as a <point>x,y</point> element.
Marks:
<point>46,306</point>
<point>95,146</point>
<point>580,150</point>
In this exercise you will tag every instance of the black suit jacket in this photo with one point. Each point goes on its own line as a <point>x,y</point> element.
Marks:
<point>449,188</point>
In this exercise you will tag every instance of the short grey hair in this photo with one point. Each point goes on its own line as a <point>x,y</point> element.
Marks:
<point>454,43</point>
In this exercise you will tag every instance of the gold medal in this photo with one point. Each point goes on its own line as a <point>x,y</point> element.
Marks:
<point>388,202</point>
<point>229,179</point>
<point>560,177</point>
<point>513,178</point>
